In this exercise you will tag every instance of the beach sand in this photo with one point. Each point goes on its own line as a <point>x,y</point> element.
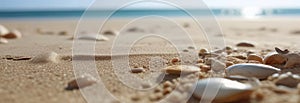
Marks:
<point>27,82</point>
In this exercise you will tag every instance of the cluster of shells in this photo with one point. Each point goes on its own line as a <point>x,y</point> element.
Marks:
<point>7,34</point>
<point>242,73</point>
<point>215,77</point>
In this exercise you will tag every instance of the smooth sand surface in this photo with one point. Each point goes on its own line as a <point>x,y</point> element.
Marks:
<point>26,82</point>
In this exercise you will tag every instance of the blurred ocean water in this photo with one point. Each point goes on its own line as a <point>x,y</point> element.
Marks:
<point>245,12</point>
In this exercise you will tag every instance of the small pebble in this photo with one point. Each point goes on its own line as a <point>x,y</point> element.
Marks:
<point>81,82</point>
<point>63,33</point>
<point>255,58</point>
<point>93,37</point>
<point>175,60</point>
<point>46,58</point>
<point>228,63</point>
<point>245,44</point>
<point>203,51</point>
<point>178,69</point>
<point>185,50</point>
<point>137,70</point>
<point>14,34</point>
<point>3,30</point>
<point>167,84</point>
<point>287,79</point>
<point>191,47</point>
<point>3,41</point>
<point>110,32</point>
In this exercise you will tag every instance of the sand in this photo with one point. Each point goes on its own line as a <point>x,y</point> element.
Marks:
<point>27,82</point>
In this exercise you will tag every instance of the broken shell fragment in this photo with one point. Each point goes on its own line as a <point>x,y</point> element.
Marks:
<point>46,58</point>
<point>14,34</point>
<point>226,90</point>
<point>274,58</point>
<point>177,69</point>
<point>255,58</point>
<point>93,37</point>
<point>3,41</point>
<point>81,82</point>
<point>259,71</point>
<point>3,30</point>
<point>287,79</point>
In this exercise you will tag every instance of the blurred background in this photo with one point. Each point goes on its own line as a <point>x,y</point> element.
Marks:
<point>75,8</point>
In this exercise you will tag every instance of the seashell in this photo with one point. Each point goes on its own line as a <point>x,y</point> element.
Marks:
<point>93,37</point>
<point>259,71</point>
<point>3,30</point>
<point>14,34</point>
<point>137,70</point>
<point>287,79</point>
<point>111,32</point>
<point>274,58</point>
<point>81,82</point>
<point>175,60</point>
<point>228,90</point>
<point>3,41</point>
<point>245,44</point>
<point>46,58</point>
<point>177,69</point>
<point>255,57</point>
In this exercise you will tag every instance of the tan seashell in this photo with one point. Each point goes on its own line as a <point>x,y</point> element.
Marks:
<point>3,41</point>
<point>46,58</point>
<point>81,82</point>
<point>255,57</point>
<point>274,58</point>
<point>227,90</point>
<point>3,30</point>
<point>259,71</point>
<point>178,69</point>
<point>14,34</point>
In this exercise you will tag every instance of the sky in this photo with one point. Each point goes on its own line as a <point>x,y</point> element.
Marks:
<point>16,5</point>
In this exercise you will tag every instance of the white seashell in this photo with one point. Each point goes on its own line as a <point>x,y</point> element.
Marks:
<point>3,30</point>
<point>93,37</point>
<point>227,90</point>
<point>287,79</point>
<point>14,34</point>
<point>177,69</point>
<point>259,71</point>
<point>3,41</point>
<point>81,82</point>
<point>45,58</point>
